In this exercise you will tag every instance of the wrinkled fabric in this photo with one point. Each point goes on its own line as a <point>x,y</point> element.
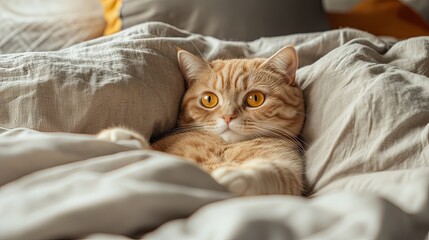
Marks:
<point>29,26</point>
<point>366,137</point>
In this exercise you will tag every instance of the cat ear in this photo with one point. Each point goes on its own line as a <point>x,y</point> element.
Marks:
<point>190,65</point>
<point>284,62</point>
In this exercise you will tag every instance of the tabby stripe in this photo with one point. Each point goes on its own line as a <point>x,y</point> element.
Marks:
<point>236,77</point>
<point>228,76</point>
<point>280,175</point>
<point>188,100</point>
<point>287,99</point>
<point>236,82</point>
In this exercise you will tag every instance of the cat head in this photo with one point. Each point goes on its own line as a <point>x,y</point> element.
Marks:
<point>242,99</point>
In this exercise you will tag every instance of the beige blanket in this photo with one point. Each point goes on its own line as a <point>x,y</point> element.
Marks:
<point>366,134</point>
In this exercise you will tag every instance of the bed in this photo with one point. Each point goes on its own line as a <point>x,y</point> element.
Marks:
<point>366,137</point>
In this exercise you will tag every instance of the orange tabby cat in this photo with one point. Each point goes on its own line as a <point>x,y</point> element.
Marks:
<point>239,120</point>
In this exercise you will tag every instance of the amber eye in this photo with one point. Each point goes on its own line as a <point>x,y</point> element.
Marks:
<point>209,100</point>
<point>255,99</point>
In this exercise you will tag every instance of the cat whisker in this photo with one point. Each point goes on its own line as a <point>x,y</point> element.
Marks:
<point>188,127</point>
<point>302,114</point>
<point>285,131</point>
<point>280,133</point>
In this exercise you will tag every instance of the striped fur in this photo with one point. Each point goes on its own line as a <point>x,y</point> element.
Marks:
<point>258,151</point>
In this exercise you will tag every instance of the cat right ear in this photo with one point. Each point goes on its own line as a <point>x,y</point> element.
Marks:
<point>191,66</point>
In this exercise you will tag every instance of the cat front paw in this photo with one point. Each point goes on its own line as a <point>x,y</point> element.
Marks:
<point>118,134</point>
<point>241,181</point>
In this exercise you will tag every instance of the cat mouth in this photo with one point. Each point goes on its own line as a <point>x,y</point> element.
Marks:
<point>228,129</point>
<point>231,136</point>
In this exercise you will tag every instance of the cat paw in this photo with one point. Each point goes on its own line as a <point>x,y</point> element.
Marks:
<point>241,181</point>
<point>119,134</point>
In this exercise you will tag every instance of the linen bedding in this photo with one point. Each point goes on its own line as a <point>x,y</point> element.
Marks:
<point>366,137</point>
<point>34,25</point>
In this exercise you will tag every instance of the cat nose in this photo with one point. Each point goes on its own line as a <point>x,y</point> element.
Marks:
<point>228,118</point>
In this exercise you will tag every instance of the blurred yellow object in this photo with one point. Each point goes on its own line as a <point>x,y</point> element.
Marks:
<point>112,16</point>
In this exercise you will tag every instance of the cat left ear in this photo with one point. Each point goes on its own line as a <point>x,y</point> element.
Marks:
<point>284,62</point>
<point>191,66</point>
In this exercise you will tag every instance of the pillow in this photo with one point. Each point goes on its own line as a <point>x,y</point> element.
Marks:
<point>121,80</point>
<point>225,19</point>
<point>367,128</point>
<point>28,25</point>
<point>397,18</point>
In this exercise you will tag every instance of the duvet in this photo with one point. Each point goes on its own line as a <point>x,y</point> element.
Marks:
<point>366,137</point>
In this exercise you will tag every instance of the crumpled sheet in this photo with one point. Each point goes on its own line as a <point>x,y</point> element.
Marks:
<point>366,135</point>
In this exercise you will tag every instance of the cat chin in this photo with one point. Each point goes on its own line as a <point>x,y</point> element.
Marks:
<point>232,137</point>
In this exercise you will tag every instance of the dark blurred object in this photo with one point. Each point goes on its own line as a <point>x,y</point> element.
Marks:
<point>226,19</point>
<point>397,18</point>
